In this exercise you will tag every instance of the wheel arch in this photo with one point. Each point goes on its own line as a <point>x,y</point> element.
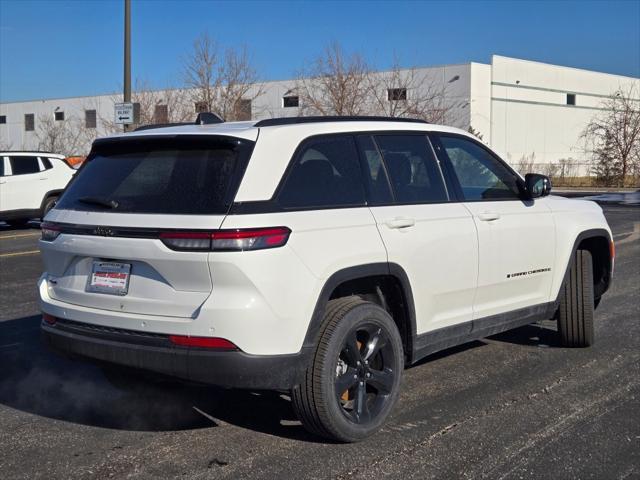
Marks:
<point>395,295</point>
<point>48,195</point>
<point>598,242</point>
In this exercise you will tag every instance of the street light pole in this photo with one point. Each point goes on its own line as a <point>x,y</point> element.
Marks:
<point>127,54</point>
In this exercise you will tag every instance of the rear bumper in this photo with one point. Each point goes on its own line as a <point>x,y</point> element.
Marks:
<point>155,353</point>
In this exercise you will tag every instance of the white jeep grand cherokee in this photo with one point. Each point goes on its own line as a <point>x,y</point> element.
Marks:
<point>312,255</point>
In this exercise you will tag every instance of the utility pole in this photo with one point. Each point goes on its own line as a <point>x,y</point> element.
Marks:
<point>127,54</point>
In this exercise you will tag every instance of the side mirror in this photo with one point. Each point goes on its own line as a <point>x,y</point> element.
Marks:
<point>537,185</point>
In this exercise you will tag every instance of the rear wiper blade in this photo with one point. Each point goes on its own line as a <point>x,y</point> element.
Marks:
<point>99,201</point>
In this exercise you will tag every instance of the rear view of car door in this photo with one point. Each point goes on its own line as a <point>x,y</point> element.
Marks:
<point>516,237</point>
<point>433,239</point>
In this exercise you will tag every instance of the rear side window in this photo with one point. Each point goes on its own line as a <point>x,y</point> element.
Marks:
<point>194,175</point>
<point>414,172</point>
<point>480,174</point>
<point>24,165</point>
<point>46,163</point>
<point>325,173</point>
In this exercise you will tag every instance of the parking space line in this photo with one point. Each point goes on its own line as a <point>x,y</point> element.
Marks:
<point>15,254</point>
<point>3,237</point>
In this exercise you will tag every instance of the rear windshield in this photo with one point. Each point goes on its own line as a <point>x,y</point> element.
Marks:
<point>195,175</point>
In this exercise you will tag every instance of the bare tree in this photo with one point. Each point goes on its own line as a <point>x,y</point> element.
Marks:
<point>222,82</point>
<point>67,137</point>
<point>335,84</point>
<point>409,92</point>
<point>613,137</point>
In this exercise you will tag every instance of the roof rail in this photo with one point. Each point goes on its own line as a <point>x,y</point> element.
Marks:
<point>270,122</point>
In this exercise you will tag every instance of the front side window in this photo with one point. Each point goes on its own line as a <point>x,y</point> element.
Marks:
<point>480,174</point>
<point>24,165</point>
<point>414,172</point>
<point>169,176</point>
<point>325,173</point>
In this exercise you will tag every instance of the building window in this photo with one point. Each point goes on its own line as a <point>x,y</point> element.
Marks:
<point>396,94</point>
<point>243,109</point>
<point>571,98</point>
<point>290,101</point>
<point>161,114</point>
<point>58,116</point>
<point>201,107</point>
<point>3,119</point>
<point>29,122</point>
<point>90,120</point>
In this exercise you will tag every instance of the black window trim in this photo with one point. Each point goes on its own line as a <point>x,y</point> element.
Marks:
<point>454,177</point>
<point>272,206</point>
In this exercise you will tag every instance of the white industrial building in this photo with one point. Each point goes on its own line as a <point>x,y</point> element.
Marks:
<point>527,111</point>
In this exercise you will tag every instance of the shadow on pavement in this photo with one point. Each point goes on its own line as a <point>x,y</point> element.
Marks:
<point>39,382</point>
<point>534,335</point>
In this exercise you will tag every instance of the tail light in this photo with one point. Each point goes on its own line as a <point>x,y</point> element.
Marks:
<point>203,342</point>
<point>227,240</point>
<point>50,319</point>
<point>49,232</point>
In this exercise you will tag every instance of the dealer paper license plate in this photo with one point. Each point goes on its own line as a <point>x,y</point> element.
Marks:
<point>109,277</point>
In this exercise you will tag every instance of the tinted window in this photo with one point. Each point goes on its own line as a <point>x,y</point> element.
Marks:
<point>375,177</point>
<point>414,173</point>
<point>24,165</point>
<point>3,119</point>
<point>46,162</point>
<point>326,173</point>
<point>481,175</point>
<point>179,175</point>
<point>1,167</point>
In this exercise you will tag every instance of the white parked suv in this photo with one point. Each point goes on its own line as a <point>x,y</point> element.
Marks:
<point>317,256</point>
<point>30,184</point>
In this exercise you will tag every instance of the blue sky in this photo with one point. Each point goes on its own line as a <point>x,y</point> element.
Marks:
<point>53,48</point>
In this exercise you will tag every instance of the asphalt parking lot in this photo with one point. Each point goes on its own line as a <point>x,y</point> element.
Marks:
<point>513,406</point>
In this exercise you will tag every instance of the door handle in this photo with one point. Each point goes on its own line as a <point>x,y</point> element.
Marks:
<point>43,178</point>
<point>401,223</point>
<point>488,216</point>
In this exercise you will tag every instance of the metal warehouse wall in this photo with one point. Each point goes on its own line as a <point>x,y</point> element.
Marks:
<point>529,110</point>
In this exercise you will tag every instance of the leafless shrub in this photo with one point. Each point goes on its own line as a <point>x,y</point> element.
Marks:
<point>526,163</point>
<point>613,138</point>
<point>67,137</point>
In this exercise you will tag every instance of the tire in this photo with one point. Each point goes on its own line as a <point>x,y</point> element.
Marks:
<point>575,316</point>
<point>48,205</point>
<point>341,399</point>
